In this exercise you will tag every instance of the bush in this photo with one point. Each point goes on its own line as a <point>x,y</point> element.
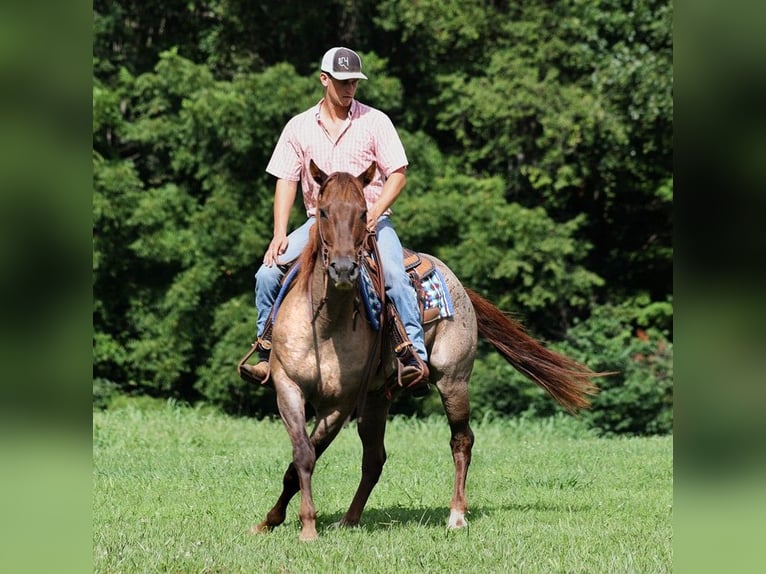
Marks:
<point>104,392</point>
<point>638,399</point>
<point>497,389</point>
<point>217,381</point>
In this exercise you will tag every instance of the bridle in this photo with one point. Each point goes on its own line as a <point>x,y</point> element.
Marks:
<point>369,243</point>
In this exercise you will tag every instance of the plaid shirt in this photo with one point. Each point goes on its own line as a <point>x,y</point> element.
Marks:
<point>368,135</point>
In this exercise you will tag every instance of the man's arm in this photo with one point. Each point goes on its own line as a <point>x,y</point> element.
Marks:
<point>391,190</point>
<point>284,197</point>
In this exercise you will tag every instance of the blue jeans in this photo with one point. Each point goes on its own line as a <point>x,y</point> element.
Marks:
<point>398,286</point>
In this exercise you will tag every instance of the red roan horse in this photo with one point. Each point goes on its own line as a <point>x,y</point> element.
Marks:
<point>322,355</point>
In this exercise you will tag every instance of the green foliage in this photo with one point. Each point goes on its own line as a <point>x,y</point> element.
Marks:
<point>233,329</point>
<point>386,92</point>
<point>104,392</point>
<point>497,389</point>
<point>638,398</point>
<point>570,104</point>
<point>185,233</point>
<point>519,257</point>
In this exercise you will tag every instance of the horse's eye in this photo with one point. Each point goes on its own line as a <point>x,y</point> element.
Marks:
<point>363,216</point>
<point>323,213</point>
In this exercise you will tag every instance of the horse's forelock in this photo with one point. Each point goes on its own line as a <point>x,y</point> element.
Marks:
<point>340,186</point>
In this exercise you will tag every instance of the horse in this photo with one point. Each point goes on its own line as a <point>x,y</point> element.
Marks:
<point>326,355</point>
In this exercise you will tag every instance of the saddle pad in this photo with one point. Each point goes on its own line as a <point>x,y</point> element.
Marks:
<point>370,299</point>
<point>284,288</point>
<point>436,295</point>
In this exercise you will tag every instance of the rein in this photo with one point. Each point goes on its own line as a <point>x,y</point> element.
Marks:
<point>380,287</point>
<point>325,254</point>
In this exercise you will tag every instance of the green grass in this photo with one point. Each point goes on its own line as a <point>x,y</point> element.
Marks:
<point>176,490</point>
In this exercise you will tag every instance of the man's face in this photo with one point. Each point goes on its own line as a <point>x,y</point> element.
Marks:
<point>339,92</point>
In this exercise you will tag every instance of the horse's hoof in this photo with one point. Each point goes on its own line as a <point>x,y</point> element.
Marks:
<point>456,520</point>
<point>308,536</point>
<point>261,528</point>
<point>343,523</point>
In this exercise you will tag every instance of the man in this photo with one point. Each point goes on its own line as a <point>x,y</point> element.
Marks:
<point>339,134</point>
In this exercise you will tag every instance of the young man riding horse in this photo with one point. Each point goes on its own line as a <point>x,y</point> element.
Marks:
<point>340,134</point>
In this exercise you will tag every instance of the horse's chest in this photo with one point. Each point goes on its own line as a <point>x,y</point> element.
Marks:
<point>309,355</point>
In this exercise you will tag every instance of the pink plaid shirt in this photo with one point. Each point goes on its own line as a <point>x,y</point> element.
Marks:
<point>369,135</point>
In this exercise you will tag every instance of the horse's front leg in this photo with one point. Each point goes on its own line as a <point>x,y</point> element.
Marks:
<point>277,514</point>
<point>298,475</point>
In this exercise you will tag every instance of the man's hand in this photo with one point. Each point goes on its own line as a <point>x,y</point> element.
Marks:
<point>372,221</point>
<point>276,248</point>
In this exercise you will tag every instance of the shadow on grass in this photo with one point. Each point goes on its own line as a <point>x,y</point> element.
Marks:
<point>400,516</point>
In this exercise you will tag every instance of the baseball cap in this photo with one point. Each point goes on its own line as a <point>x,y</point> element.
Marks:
<point>342,64</point>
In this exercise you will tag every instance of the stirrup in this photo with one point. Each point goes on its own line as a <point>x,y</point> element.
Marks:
<point>263,347</point>
<point>408,359</point>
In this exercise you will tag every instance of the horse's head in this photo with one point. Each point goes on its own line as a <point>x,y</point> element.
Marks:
<point>342,222</point>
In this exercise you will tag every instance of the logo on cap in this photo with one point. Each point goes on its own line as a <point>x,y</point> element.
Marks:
<point>342,62</point>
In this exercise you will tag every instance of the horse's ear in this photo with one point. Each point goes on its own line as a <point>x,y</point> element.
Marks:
<point>319,176</point>
<point>367,175</point>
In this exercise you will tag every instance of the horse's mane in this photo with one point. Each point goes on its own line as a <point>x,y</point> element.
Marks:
<point>307,260</point>
<point>339,186</point>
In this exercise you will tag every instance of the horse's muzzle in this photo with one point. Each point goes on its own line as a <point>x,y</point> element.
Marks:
<point>344,271</point>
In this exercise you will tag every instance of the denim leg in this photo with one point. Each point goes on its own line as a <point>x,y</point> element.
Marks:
<point>267,279</point>
<point>398,286</point>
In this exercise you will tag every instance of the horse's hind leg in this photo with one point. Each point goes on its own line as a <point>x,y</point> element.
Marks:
<point>456,405</point>
<point>372,429</point>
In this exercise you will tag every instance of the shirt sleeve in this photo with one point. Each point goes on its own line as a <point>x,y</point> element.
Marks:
<point>286,159</point>
<point>390,153</point>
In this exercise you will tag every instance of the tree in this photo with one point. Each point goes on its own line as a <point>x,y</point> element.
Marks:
<point>179,223</point>
<point>570,103</point>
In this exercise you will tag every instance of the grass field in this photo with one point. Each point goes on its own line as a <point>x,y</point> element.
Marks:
<point>176,490</point>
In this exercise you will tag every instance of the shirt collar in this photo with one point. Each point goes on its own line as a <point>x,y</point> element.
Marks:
<point>352,110</point>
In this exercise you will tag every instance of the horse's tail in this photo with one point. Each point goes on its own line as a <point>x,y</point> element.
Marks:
<point>566,380</point>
